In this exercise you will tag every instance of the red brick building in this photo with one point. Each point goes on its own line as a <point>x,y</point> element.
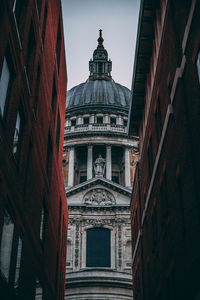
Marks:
<point>33,210</point>
<point>165,113</point>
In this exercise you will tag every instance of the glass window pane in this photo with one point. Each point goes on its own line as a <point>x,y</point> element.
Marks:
<point>42,224</point>
<point>98,247</point>
<point>6,245</point>
<point>38,290</point>
<point>19,252</point>
<point>17,131</point>
<point>4,82</point>
<point>198,66</point>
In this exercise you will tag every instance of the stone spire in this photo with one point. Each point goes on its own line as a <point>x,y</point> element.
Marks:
<point>100,67</point>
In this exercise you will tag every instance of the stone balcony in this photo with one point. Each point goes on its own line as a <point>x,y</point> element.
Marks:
<point>96,128</point>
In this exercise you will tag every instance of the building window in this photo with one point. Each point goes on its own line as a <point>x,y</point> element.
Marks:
<point>125,123</point>
<point>30,52</point>
<point>100,67</point>
<point>164,195</point>
<point>198,65</point>
<point>49,158</point>
<point>44,24</point>
<point>150,158</point>
<point>158,121</point>
<point>113,121</point>
<point>60,219</point>
<point>69,252</point>
<point>73,122</point>
<point>154,227</point>
<point>4,84</point>
<point>53,100</point>
<point>99,120</point>
<point>43,221</point>
<point>98,247</point>
<point>6,245</point>
<point>37,90</point>
<point>83,176</point>
<point>18,134</point>
<point>58,131</point>
<point>18,262</point>
<point>38,290</point>
<point>86,121</point>
<point>39,6</point>
<point>58,47</point>
<point>42,224</point>
<point>18,8</point>
<point>115,177</point>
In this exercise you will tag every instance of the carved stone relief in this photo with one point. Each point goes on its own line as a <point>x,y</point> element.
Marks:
<point>99,221</point>
<point>99,197</point>
<point>119,246</point>
<point>76,245</point>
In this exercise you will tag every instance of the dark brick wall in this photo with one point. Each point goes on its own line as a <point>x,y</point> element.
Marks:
<point>32,178</point>
<point>166,262</point>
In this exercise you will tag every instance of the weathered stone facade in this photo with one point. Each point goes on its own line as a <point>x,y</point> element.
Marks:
<point>98,177</point>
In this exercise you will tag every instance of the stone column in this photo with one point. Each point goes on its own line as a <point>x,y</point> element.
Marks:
<point>89,162</point>
<point>127,169</point>
<point>120,120</point>
<point>71,168</point>
<point>106,119</point>
<point>108,163</point>
<point>92,119</point>
<point>79,120</point>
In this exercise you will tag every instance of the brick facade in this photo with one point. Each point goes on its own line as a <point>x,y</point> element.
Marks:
<point>33,210</point>
<point>165,114</point>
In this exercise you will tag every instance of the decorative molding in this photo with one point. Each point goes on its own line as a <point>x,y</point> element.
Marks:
<point>119,246</point>
<point>99,221</point>
<point>76,246</point>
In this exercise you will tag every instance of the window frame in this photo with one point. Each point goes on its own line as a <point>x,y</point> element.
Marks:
<point>3,108</point>
<point>16,154</point>
<point>106,263</point>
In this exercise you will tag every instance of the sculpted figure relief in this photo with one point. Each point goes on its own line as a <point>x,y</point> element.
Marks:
<point>99,166</point>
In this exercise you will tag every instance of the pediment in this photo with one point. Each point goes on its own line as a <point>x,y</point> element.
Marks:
<point>98,181</point>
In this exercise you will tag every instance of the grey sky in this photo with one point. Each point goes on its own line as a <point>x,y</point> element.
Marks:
<point>82,21</point>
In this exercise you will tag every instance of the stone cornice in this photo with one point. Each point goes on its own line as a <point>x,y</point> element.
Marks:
<point>124,142</point>
<point>98,180</point>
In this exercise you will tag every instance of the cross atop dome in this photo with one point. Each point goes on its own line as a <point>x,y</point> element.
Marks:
<point>100,39</point>
<point>100,67</point>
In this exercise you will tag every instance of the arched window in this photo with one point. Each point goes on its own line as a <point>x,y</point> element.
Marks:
<point>98,247</point>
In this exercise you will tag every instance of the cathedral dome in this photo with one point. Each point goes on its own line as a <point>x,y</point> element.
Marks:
<point>98,93</point>
<point>100,90</point>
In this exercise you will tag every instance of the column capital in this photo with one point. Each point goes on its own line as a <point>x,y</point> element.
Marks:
<point>90,145</point>
<point>108,146</point>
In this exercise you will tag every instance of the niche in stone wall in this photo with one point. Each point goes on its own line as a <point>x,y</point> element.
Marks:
<point>99,150</point>
<point>118,165</point>
<point>80,164</point>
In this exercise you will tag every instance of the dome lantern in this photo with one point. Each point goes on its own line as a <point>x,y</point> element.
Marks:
<point>100,67</point>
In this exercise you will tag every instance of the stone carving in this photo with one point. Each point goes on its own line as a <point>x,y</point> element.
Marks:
<point>119,246</point>
<point>99,166</point>
<point>98,222</point>
<point>77,246</point>
<point>99,197</point>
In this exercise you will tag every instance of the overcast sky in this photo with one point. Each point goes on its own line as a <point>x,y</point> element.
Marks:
<point>82,20</point>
